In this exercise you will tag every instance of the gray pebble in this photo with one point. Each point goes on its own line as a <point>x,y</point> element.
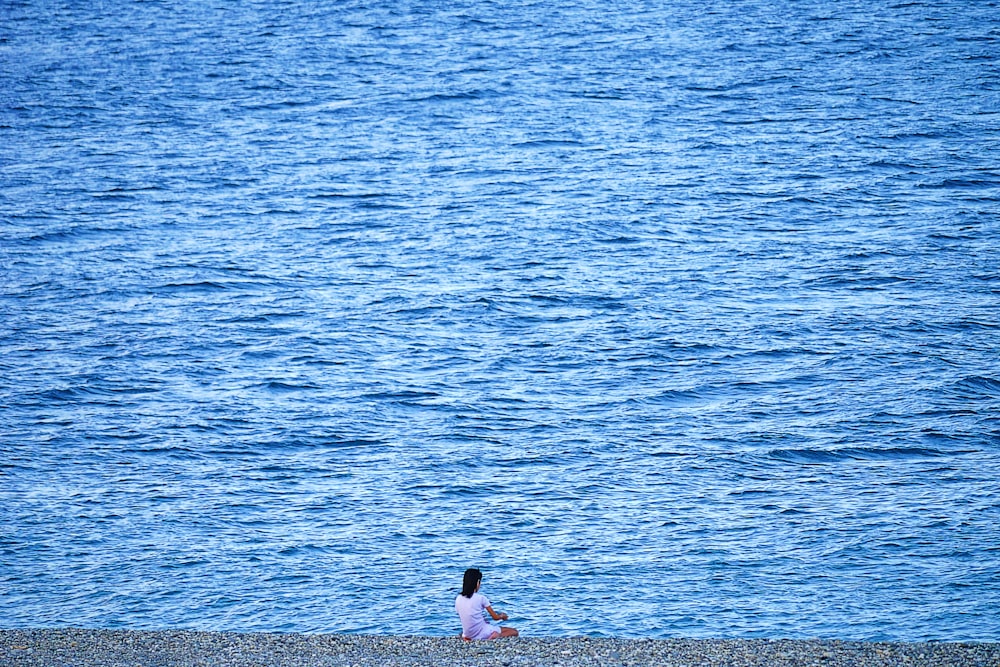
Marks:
<point>174,648</point>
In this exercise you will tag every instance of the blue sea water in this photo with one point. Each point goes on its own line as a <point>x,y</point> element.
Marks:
<point>676,318</point>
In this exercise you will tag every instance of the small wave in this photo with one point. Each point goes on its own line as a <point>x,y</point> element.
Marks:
<point>84,393</point>
<point>856,282</point>
<point>264,318</point>
<point>604,95</point>
<point>400,396</point>
<point>452,97</point>
<point>275,385</point>
<point>378,206</point>
<point>464,491</point>
<point>991,181</point>
<point>538,460</point>
<point>354,442</point>
<point>974,387</point>
<point>548,143</point>
<point>195,287</point>
<point>854,454</point>
<point>670,454</point>
<point>418,311</point>
<point>276,106</point>
<point>348,195</point>
<point>619,240</point>
<point>751,492</point>
<point>70,234</point>
<point>676,397</point>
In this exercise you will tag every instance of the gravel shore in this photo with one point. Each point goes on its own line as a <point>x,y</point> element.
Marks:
<point>121,648</point>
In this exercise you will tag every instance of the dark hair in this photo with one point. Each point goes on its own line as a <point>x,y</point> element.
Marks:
<point>472,577</point>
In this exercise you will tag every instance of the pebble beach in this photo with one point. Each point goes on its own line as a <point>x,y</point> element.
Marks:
<point>127,648</point>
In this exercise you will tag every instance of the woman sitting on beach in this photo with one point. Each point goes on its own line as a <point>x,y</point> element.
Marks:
<point>470,605</point>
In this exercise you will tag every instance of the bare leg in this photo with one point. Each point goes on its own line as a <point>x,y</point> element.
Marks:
<point>508,632</point>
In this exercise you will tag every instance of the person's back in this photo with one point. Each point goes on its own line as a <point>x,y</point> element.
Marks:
<point>470,612</point>
<point>470,605</point>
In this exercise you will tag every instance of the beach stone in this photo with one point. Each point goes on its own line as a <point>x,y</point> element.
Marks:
<point>178,648</point>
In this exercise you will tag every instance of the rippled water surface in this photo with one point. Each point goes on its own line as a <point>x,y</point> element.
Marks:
<point>676,318</point>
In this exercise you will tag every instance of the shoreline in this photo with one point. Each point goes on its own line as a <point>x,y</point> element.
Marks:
<point>72,647</point>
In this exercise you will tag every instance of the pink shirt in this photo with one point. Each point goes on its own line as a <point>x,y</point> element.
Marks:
<point>470,610</point>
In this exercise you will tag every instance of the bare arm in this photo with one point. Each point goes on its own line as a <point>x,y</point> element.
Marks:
<point>496,616</point>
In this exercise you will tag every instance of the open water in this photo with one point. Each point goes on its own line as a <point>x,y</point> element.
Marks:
<point>677,318</point>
